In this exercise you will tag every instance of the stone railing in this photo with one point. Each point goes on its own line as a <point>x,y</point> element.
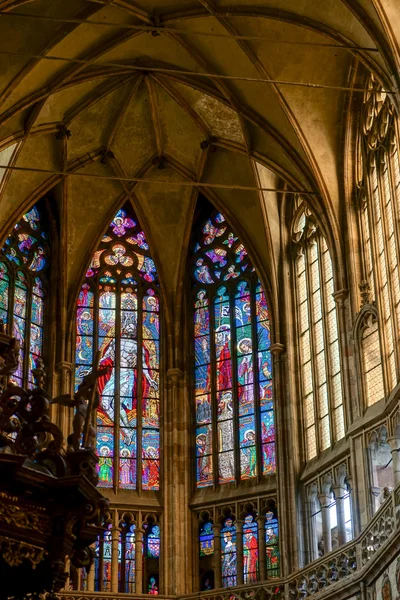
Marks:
<point>342,568</point>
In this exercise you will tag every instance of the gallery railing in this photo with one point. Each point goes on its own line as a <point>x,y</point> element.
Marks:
<point>334,569</point>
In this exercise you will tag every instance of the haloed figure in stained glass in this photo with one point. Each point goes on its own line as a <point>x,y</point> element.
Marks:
<point>122,283</point>
<point>233,366</point>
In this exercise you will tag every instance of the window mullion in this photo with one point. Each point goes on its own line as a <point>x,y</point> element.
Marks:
<point>312,344</point>
<point>396,220</point>
<point>214,403</point>
<point>139,388</point>
<point>231,292</point>
<point>256,379</point>
<point>27,331</point>
<point>117,383</point>
<point>327,349</point>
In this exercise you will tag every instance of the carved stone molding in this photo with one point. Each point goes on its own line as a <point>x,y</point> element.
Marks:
<point>174,376</point>
<point>14,553</point>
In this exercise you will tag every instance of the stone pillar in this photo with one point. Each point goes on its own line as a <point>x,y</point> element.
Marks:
<point>325,501</point>
<point>239,551</point>
<point>176,564</point>
<point>312,522</point>
<point>115,533</point>
<point>340,516</point>
<point>64,415</point>
<point>395,449</point>
<point>139,560</point>
<point>217,556</point>
<point>261,547</point>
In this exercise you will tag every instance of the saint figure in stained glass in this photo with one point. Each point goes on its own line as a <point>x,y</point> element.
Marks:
<point>232,360</point>
<point>121,289</point>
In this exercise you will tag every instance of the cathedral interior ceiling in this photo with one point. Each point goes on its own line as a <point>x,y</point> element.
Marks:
<point>137,104</point>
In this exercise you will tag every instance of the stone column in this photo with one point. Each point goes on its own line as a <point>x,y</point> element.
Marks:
<point>395,449</point>
<point>64,415</point>
<point>325,501</point>
<point>217,556</point>
<point>239,551</point>
<point>340,516</point>
<point>115,533</point>
<point>261,547</point>
<point>139,560</point>
<point>177,558</point>
<point>312,522</point>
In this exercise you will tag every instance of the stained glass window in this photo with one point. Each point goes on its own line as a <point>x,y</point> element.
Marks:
<point>379,195</point>
<point>320,361</point>
<point>250,550</point>
<point>272,543</point>
<point>102,562</point>
<point>228,553</point>
<point>24,260</point>
<point>152,540</point>
<point>235,434</point>
<point>126,559</point>
<point>118,313</point>
<point>206,539</point>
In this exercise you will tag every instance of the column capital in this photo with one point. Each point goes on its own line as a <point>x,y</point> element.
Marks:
<point>277,349</point>
<point>394,442</point>
<point>341,295</point>
<point>174,376</point>
<point>64,366</point>
<point>260,519</point>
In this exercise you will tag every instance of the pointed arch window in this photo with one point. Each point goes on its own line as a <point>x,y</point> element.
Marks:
<point>24,261</point>
<point>378,181</point>
<point>320,363</point>
<point>235,434</point>
<point>118,315</point>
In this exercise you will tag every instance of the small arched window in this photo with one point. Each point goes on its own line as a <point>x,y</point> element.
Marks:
<point>228,553</point>
<point>378,180</point>
<point>321,378</point>
<point>235,434</point>
<point>24,261</point>
<point>118,314</point>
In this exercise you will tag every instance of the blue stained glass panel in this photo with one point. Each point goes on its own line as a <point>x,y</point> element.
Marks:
<point>151,325</point>
<point>202,379</point>
<point>128,411</point>
<point>37,310</point>
<point>36,340</point>
<point>206,539</point>
<point>84,321</point>
<point>272,544</point>
<point>84,350</point>
<point>153,542</point>
<point>203,409</point>
<point>265,365</point>
<point>151,303</point>
<point>242,311</point>
<point>127,461</point>
<point>228,554</point>
<point>202,350</point>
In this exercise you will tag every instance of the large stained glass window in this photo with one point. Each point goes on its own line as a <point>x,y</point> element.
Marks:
<point>118,313</point>
<point>235,434</point>
<point>24,260</point>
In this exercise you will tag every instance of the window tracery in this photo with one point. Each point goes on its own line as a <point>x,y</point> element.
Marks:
<point>320,361</point>
<point>235,435</point>
<point>118,316</point>
<point>378,181</point>
<point>235,550</point>
<point>24,261</point>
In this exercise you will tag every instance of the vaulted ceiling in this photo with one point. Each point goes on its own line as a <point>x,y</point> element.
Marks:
<point>165,90</point>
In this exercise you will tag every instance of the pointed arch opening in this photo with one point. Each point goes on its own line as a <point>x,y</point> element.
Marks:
<point>24,265</point>
<point>118,323</point>
<point>234,409</point>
